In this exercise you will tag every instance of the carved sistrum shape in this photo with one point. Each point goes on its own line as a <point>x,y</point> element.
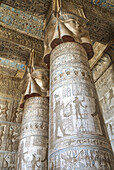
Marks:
<point>65,27</point>
<point>35,82</point>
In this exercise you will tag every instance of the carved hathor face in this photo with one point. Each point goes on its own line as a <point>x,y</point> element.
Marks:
<point>41,76</point>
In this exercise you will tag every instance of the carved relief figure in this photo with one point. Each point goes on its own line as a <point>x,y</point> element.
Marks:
<point>1,135</point>
<point>9,161</point>
<point>78,104</point>
<point>57,110</point>
<point>4,111</point>
<point>12,141</point>
<point>90,159</point>
<point>16,113</point>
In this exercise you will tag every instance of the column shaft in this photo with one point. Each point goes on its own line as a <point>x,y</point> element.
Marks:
<point>77,136</point>
<point>33,147</point>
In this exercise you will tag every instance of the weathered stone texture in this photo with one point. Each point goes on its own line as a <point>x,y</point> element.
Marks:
<point>101,66</point>
<point>10,119</point>
<point>9,86</point>
<point>105,90</point>
<point>77,135</point>
<point>12,51</point>
<point>33,147</point>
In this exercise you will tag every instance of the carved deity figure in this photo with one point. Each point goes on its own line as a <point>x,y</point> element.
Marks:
<point>1,135</point>
<point>78,104</point>
<point>57,110</point>
<point>62,27</point>
<point>4,111</point>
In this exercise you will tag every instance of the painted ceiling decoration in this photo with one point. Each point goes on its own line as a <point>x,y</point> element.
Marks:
<point>40,7</point>
<point>9,50</point>
<point>20,38</point>
<point>19,20</point>
<point>35,7</point>
<point>107,4</point>
<point>99,27</point>
<point>22,23</point>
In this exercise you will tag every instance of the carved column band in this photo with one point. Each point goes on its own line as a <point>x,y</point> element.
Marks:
<point>77,136</point>
<point>33,147</point>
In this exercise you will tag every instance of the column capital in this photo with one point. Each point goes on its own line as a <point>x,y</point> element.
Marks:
<point>35,81</point>
<point>62,26</point>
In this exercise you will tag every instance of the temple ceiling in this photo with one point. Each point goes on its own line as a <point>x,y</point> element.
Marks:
<point>29,19</point>
<point>14,58</point>
<point>40,7</point>
<point>22,22</point>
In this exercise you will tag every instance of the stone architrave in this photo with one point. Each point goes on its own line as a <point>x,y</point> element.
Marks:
<point>33,146</point>
<point>77,135</point>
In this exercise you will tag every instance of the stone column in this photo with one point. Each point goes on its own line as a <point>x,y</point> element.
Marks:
<point>33,147</point>
<point>77,136</point>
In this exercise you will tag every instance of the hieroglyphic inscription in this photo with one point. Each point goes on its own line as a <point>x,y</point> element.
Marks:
<point>35,7</point>
<point>21,39</point>
<point>101,66</point>
<point>77,134</point>
<point>10,119</point>
<point>12,51</point>
<point>8,160</point>
<point>105,90</point>
<point>22,21</point>
<point>9,141</point>
<point>9,86</point>
<point>82,158</point>
<point>33,147</point>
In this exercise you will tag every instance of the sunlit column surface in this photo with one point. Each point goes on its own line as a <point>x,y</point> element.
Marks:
<point>77,136</point>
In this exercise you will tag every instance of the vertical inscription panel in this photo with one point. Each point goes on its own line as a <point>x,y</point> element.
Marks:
<point>33,147</point>
<point>77,136</point>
